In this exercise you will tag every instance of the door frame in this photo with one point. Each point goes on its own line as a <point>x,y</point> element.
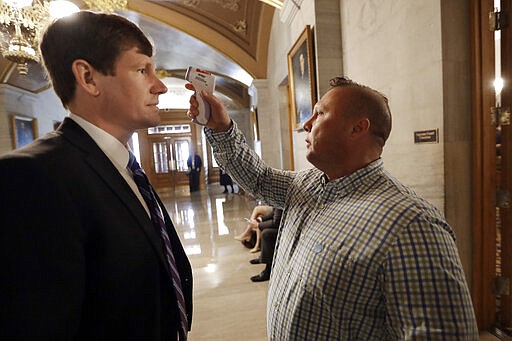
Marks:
<point>485,176</point>
<point>169,117</point>
<point>173,178</point>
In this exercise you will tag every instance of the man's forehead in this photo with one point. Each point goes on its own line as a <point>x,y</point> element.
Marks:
<point>136,54</point>
<point>335,93</point>
<point>334,97</point>
<point>318,106</point>
<point>342,93</point>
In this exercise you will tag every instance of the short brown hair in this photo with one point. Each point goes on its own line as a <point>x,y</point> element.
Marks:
<point>97,38</point>
<point>373,104</point>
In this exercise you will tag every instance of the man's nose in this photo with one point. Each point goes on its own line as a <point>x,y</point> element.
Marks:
<point>307,125</point>
<point>159,87</point>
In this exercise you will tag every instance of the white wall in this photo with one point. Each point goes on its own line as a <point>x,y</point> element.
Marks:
<point>395,47</point>
<point>49,110</point>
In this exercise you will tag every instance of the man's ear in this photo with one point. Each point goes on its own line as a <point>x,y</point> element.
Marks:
<point>85,76</point>
<point>361,127</point>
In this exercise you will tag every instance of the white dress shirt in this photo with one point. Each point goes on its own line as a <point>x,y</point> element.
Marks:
<point>117,153</point>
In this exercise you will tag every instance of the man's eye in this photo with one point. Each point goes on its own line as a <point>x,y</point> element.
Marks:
<point>143,70</point>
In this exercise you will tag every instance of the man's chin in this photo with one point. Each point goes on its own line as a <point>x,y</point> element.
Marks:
<point>153,120</point>
<point>309,156</point>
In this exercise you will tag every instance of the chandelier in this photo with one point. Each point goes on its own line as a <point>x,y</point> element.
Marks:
<point>106,5</point>
<point>21,22</point>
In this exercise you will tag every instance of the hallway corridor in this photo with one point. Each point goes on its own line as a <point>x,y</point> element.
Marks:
<point>227,305</point>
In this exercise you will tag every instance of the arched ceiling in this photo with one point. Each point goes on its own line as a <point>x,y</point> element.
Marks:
<point>228,37</point>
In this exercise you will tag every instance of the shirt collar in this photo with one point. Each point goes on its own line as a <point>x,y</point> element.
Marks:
<point>112,147</point>
<point>351,182</point>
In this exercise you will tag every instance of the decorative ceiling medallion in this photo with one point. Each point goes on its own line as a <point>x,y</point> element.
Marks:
<point>229,4</point>
<point>239,26</point>
<point>191,3</point>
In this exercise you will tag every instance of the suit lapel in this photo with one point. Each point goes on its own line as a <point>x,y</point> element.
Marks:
<point>101,164</point>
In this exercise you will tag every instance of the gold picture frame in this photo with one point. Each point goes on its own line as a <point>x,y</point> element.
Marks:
<point>301,75</point>
<point>24,130</point>
<point>255,124</point>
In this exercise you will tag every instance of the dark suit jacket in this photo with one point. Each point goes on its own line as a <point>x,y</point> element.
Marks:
<point>197,163</point>
<point>79,256</point>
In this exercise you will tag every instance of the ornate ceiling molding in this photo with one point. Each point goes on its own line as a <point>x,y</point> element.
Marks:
<point>240,29</point>
<point>237,20</point>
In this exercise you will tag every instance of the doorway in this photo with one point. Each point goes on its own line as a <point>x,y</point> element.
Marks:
<point>492,166</point>
<point>164,151</point>
<point>169,161</point>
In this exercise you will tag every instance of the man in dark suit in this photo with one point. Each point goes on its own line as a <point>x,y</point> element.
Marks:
<point>80,255</point>
<point>194,164</point>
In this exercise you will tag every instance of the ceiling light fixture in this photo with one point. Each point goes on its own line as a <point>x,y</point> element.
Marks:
<point>21,22</point>
<point>107,5</point>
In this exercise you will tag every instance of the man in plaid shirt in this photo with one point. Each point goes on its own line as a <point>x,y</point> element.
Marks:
<point>359,255</point>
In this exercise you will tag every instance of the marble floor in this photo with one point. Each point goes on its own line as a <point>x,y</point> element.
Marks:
<point>227,305</point>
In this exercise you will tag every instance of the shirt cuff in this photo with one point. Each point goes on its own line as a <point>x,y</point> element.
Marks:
<point>221,137</point>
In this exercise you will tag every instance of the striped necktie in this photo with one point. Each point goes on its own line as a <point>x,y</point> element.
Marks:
<point>148,193</point>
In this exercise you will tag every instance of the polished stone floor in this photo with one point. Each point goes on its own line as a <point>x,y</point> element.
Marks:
<point>227,305</point>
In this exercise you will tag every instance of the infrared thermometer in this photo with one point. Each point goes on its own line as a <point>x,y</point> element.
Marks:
<point>201,80</point>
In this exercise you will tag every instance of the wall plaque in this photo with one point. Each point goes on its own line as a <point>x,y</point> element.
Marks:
<point>426,136</point>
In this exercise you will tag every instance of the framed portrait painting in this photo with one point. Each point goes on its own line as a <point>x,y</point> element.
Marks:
<point>301,75</point>
<point>24,130</point>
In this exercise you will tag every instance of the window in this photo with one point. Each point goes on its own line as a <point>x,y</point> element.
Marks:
<point>182,153</point>
<point>160,157</point>
<point>170,129</point>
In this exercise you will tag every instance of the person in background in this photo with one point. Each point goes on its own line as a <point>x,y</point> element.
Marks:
<point>359,255</point>
<point>87,249</point>
<point>257,215</point>
<point>225,180</point>
<point>194,164</point>
<point>268,226</point>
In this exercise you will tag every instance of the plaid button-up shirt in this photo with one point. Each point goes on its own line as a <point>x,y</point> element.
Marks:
<point>359,258</point>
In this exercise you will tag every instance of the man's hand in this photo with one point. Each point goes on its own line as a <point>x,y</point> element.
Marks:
<point>219,119</point>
